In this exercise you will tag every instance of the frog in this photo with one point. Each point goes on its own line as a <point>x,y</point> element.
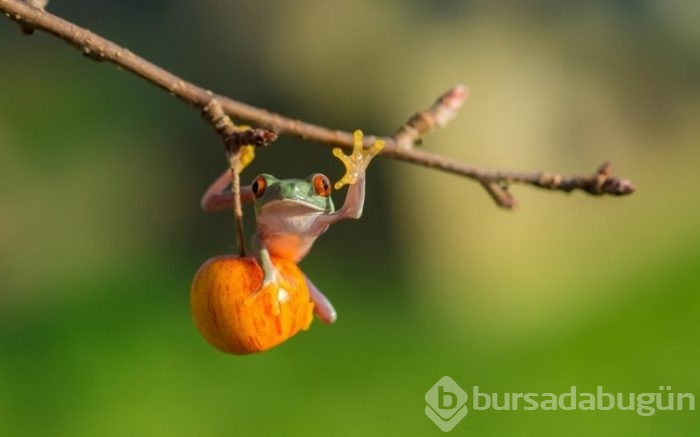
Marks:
<point>290,214</point>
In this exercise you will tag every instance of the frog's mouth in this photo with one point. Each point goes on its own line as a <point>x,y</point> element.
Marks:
<point>291,206</point>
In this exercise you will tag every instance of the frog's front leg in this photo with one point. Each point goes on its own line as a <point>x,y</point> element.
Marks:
<point>272,282</point>
<point>355,166</point>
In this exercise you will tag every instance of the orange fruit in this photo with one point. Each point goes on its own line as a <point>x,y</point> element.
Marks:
<point>233,316</point>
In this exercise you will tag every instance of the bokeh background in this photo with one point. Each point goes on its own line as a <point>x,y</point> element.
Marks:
<point>101,232</point>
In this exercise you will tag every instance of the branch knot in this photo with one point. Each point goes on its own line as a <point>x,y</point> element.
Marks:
<point>235,137</point>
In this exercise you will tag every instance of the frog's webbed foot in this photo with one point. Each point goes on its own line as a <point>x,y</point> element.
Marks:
<point>274,286</point>
<point>357,161</point>
<point>247,156</point>
<point>245,139</point>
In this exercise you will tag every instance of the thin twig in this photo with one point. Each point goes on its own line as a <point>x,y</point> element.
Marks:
<point>227,130</point>
<point>499,193</point>
<point>438,115</point>
<point>235,166</point>
<point>99,48</point>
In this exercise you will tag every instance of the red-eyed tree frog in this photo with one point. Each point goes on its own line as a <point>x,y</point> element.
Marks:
<point>291,213</point>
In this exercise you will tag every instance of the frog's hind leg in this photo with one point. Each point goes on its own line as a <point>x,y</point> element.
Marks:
<point>323,308</point>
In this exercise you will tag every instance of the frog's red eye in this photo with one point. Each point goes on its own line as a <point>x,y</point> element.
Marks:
<point>258,186</point>
<point>322,185</point>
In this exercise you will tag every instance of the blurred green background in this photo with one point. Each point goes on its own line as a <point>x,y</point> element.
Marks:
<point>101,232</point>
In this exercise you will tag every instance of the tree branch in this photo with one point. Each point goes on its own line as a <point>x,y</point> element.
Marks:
<point>397,147</point>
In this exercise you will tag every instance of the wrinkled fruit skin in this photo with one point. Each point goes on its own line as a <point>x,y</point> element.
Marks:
<point>234,324</point>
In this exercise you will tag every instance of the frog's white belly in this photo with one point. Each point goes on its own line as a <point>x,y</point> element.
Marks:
<point>289,236</point>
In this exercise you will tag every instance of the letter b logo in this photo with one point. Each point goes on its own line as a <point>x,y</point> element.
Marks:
<point>446,403</point>
<point>442,394</point>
